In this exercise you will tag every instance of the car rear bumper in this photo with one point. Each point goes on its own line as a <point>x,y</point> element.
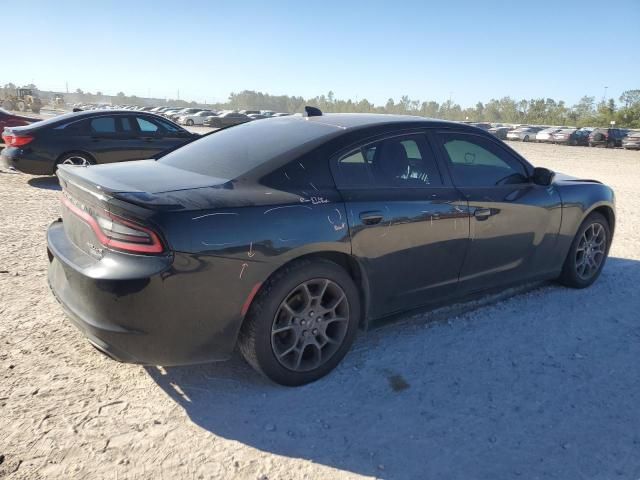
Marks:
<point>26,161</point>
<point>136,308</point>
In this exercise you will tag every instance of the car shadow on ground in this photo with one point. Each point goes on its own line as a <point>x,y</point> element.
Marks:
<point>543,384</point>
<point>47,183</point>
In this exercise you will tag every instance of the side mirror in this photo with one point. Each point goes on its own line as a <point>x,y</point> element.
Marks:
<point>543,176</point>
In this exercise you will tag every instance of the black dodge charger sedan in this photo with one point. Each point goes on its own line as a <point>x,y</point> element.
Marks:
<point>285,235</point>
<point>91,137</point>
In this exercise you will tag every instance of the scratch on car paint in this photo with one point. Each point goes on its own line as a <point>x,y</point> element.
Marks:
<point>386,229</point>
<point>285,206</point>
<point>244,267</point>
<point>337,226</point>
<point>286,175</point>
<point>301,166</point>
<point>215,244</point>
<point>314,200</point>
<point>251,253</point>
<point>212,214</point>
<point>314,187</point>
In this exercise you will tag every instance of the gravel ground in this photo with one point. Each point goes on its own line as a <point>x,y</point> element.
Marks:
<point>543,383</point>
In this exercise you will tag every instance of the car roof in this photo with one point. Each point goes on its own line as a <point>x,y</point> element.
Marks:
<point>349,121</point>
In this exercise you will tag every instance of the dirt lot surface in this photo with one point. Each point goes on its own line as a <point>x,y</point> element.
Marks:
<point>542,384</point>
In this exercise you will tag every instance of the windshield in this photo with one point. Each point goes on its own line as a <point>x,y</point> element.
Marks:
<point>227,153</point>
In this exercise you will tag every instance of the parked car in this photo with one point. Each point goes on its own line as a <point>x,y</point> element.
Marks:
<point>500,132</point>
<point>8,119</point>
<point>90,137</point>
<point>571,136</point>
<point>196,118</point>
<point>482,125</point>
<point>167,113</point>
<point>631,141</point>
<point>545,135</point>
<point>181,113</point>
<point>607,137</point>
<point>227,119</point>
<point>289,242</point>
<point>525,134</point>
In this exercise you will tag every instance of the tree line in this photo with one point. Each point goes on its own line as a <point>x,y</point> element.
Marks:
<point>625,111</point>
<point>544,111</point>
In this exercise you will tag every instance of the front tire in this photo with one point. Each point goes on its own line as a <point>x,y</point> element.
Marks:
<point>588,252</point>
<point>302,322</point>
<point>189,123</point>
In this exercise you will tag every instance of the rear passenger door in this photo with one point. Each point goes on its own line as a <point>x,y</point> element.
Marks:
<point>514,222</point>
<point>108,143</point>
<point>409,227</point>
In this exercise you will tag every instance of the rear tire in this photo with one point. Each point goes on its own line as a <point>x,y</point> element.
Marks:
<point>293,334</point>
<point>526,138</point>
<point>80,159</point>
<point>588,252</point>
<point>189,123</point>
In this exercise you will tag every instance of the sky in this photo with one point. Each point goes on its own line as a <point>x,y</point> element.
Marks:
<point>466,50</point>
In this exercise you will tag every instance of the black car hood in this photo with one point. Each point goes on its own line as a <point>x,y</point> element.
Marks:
<point>563,178</point>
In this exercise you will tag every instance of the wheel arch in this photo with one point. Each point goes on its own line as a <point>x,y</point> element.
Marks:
<point>349,263</point>
<point>608,213</point>
<point>69,152</point>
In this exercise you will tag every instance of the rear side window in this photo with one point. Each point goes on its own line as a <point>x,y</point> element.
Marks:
<point>125,124</point>
<point>235,151</point>
<point>103,125</point>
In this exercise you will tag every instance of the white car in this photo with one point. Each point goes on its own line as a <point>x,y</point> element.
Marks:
<point>196,118</point>
<point>525,134</point>
<point>546,134</point>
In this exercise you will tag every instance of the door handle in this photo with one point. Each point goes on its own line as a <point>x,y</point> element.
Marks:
<point>482,213</point>
<point>371,218</point>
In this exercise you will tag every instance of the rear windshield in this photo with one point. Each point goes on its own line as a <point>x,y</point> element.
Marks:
<point>234,151</point>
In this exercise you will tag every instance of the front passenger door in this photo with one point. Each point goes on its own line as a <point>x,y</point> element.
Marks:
<point>514,222</point>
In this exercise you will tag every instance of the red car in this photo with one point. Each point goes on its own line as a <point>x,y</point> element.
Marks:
<point>8,119</point>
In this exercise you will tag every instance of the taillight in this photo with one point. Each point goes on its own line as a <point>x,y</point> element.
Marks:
<point>15,140</point>
<point>116,232</point>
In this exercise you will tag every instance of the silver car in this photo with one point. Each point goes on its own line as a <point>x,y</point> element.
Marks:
<point>524,134</point>
<point>546,135</point>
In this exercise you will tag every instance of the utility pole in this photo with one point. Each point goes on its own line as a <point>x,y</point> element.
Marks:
<point>66,83</point>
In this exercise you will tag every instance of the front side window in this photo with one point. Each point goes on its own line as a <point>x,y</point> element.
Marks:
<point>403,161</point>
<point>478,162</point>
<point>146,126</point>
